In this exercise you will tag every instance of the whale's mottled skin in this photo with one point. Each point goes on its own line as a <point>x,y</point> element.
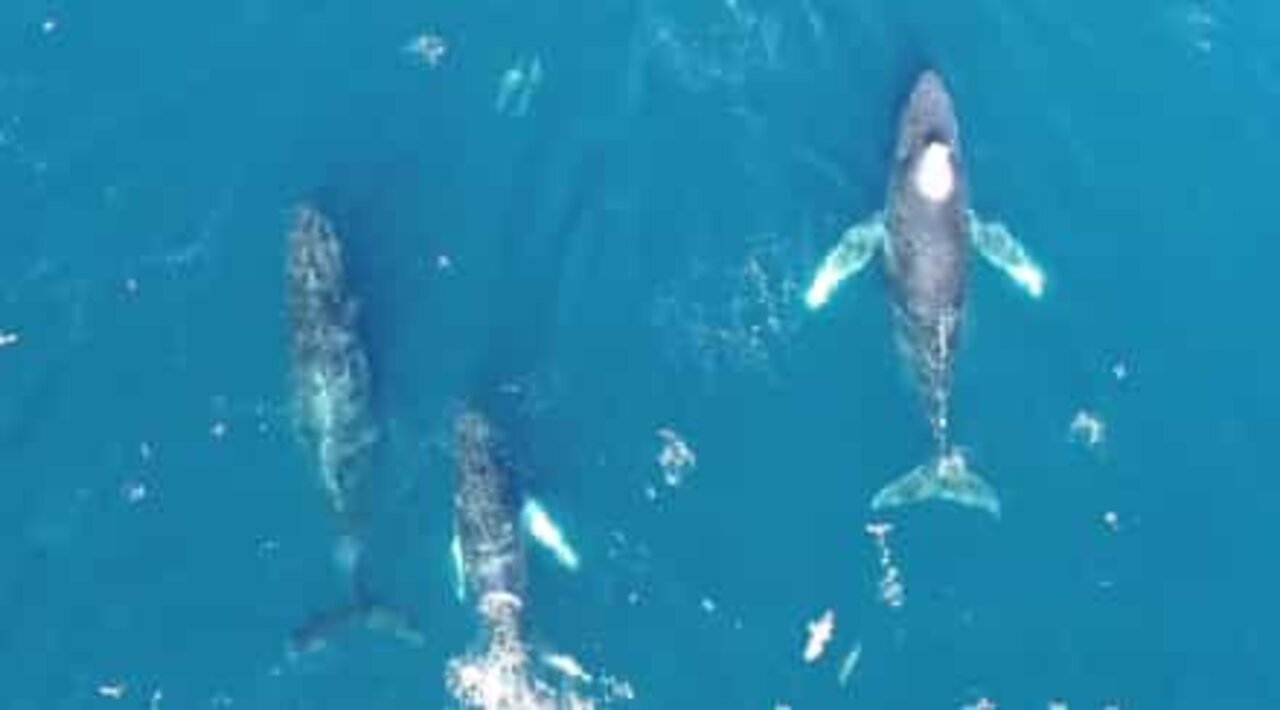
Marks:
<point>331,381</point>
<point>487,528</point>
<point>927,251</point>
<point>490,519</point>
<point>925,231</point>
<point>329,367</point>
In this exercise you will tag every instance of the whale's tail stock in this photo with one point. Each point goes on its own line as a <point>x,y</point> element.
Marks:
<point>947,478</point>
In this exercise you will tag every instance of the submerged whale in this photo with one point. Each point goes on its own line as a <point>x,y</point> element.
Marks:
<point>331,386</point>
<point>925,232</point>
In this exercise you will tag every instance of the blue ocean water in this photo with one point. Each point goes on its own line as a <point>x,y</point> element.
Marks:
<point>598,219</point>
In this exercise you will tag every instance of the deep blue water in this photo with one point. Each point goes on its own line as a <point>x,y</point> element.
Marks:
<point>626,252</point>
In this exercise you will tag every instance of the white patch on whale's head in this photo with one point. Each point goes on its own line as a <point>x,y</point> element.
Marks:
<point>934,176</point>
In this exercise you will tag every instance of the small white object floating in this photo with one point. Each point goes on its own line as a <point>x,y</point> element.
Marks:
<point>821,630</point>
<point>7,338</point>
<point>1120,371</point>
<point>429,49</point>
<point>115,691</point>
<point>676,459</point>
<point>547,533</point>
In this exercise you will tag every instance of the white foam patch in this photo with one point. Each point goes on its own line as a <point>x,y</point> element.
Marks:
<point>935,178</point>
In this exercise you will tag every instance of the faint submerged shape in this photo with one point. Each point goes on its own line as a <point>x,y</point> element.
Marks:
<point>725,54</point>
<point>1201,26</point>
<point>517,86</point>
<point>499,676</point>
<point>849,664</point>
<point>737,318</point>
<point>331,382</point>
<point>926,232</point>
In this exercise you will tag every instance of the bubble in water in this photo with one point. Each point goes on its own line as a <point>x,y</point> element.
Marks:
<point>893,591</point>
<point>427,48</point>
<point>1088,428</point>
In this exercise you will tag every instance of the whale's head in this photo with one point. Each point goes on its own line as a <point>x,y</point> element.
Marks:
<point>929,141</point>
<point>935,173</point>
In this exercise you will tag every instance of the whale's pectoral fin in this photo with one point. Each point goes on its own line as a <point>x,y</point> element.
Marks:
<point>948,478</point>
<point>459,570</point>
<point>546,532</point>
<point>994,241</point>
<point>854,250</point>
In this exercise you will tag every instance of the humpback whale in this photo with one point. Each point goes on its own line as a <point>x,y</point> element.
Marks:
<point>331,382</point>
<point>925,232</point>
<point>489,558</point>
<point>487,536</point>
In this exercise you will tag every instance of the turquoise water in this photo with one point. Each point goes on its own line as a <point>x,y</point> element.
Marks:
<point>612,249</point>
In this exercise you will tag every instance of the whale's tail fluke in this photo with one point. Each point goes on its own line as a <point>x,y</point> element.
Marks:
<point>362,611</point>
<point>946,478</point>
<point>314,634</point>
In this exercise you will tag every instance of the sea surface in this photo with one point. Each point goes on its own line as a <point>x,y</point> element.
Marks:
<point>598,219</point>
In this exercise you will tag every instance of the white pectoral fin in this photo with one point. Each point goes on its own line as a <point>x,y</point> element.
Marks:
<point>853,252</point>
<point>547,533</point>
<point>459,568</point>
<point>998,246</point>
